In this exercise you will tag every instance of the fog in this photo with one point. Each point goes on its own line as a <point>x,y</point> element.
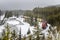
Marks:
<point>26,4</point>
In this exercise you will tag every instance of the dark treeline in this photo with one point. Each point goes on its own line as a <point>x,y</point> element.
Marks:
<point>51,14</point>
<point>1,13</point>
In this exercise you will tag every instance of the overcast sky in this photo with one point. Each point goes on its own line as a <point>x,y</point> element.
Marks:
<point>26,4</point>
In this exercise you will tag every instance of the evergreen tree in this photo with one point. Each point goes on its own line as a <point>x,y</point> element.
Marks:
<point>36,32</point>
<point>1,13</point>
<point>28,31</point>
<point>31,21</point>
<point>35,19</point>
<point>13,35</point>
<point>8,14</point>
<point>20,34</point>
<point>17,15</point>
<point>29,34</point>
<point>7,33</point>
<point>3,34</point>
<point>36,22</point>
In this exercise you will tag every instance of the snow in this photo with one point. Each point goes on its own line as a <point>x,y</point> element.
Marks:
<point>24,29</point>
<point>1,28</point>
<point>13,22</point>
<point>21,18</point>
<point>2,17</point>
<point>17,23</point>
<point>31,29</point>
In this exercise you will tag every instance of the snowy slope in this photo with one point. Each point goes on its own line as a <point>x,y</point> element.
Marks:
<point>17,23</point>
<point>1,30</point>
<point>2,16</point>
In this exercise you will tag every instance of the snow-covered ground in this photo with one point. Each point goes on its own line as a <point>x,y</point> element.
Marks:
<point>1,30</point>
<point>1,17</point>
<point>17,23</point>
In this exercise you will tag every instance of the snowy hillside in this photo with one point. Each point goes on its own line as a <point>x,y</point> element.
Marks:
<point>18,25</point>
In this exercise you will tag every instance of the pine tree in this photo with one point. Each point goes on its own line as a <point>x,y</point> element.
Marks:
<point>7,33</point>
<point>20,34</point>
<point>36,32</point>
<point>28,31</point>
<point>29,34</point>
<point>3,34</point>
<point>13,35</point>
<point>8,14</point>
<point>35,19</point>
<point>31,21</point>
<point>36,22</point>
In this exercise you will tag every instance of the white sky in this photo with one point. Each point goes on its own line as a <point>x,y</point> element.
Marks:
<point>26,4</point>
